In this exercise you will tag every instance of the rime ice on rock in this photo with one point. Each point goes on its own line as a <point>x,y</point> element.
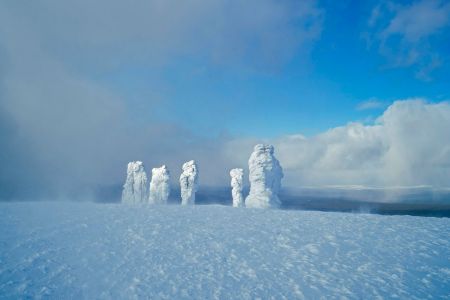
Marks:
<point>159,186</point>
<point>265,178</point>
<point>188,183</point>
<point>236,187</point>
<point>135,187</point>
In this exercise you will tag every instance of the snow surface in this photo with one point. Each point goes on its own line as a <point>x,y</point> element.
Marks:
<point>112,251</point>
<point>237,185</point>
<point>159,186</point>
<point>265,174</point>
<point>135,187</point>
<point>188,182</point>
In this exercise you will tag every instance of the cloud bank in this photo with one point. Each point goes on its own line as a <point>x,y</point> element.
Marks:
<point>408,145</point>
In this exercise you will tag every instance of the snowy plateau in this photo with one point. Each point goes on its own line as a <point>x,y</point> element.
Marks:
<point>111,251</point>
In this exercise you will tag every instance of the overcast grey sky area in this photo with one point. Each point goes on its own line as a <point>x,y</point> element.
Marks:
<point>350,93</point>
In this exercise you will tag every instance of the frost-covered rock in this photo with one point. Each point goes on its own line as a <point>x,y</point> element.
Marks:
<point>237,186</point>
<point>189,183</point>
<point>135,187</point>
<point>159,186</point>
<point>265,178</point>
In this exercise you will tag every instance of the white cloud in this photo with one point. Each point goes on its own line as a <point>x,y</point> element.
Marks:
<point>410,35</point>
<point>371,104</point>
<point>418,20</point>
<point>407,145</point>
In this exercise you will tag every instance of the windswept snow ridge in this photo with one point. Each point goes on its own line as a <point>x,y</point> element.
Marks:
<point>106,251</point>
<point>265,178</point>
<point>159,186</point>
<point>237,186</point>
<point>189,183</point>
<point>135,187</point>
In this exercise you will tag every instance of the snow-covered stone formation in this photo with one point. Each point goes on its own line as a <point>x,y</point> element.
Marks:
<point>188,183</point>
<point>237,186</point>
<point>159,186</point>
<point>135,187</point>
<point>265,178</point>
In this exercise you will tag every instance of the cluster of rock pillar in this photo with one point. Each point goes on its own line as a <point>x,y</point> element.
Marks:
<point>265,174</point>
<point>135,189</point>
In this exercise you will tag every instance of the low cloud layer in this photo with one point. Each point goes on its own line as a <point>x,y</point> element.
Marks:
<point>408,145</point>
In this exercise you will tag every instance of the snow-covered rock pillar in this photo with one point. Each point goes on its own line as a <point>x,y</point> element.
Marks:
<point>135,187</point>
<point>189,183</point>
<point>237,186</point>
<point>265,178</point>
<point>159,186</point>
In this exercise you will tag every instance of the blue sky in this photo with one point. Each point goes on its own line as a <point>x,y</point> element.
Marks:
<point>88,86</point>
<point>313,90</point>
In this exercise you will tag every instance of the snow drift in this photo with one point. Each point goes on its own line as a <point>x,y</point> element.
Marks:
<point>135,187</point>
<point>265,178</point>
<point>237,186</point>
<point>188,183</point>
<point>159,186</point>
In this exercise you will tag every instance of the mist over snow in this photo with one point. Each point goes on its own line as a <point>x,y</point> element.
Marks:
<point>63,99</point>
<point>407,145</point>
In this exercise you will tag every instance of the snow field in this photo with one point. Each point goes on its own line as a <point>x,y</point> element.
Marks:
<point>105,251</point>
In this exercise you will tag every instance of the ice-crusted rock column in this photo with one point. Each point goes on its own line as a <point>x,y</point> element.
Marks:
<point>189,183</point>
<point>265,178</point>
<point>159,186</point>
<point>135,187</point>
<point>237,186</point>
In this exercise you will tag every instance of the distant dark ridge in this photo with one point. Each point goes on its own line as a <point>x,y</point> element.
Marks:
<point>414,202</point>
<point>355,206</point>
